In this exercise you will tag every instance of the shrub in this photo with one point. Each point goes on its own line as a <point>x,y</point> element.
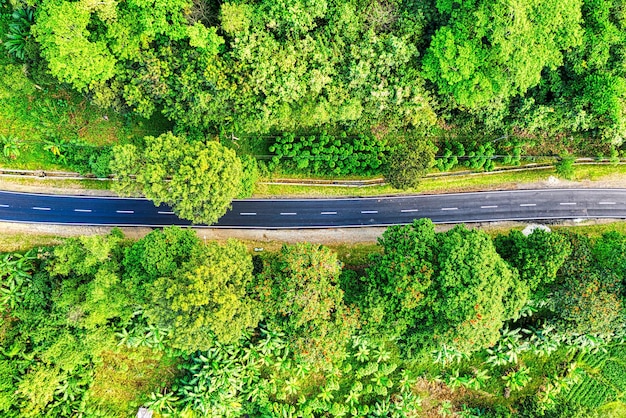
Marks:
<point>327,154</point>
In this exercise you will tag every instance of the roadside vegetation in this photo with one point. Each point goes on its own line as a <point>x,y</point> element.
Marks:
<point>191,102</point>
<point>392,88</point>
<point>455,323</point>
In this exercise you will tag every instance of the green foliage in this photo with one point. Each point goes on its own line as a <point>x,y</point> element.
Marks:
<point>206,297</point>
<point>258,378</point>
<point>18,39</point>
<point>489,52</point>
<point>473,155</point>
<point>198,180</point>
<point>61,30</point>
<point>94,324</point>
<point>565,167</point>
<point>516,380</point>
<point>10,146</point>
<point>449,288</point>
<point>588,297</point>
<point>537,256</point>
<point>249,176</point>
<point>408,163</point>
<point>193,292</point>
<point>300,296</point>
<point>91,292</point>
<point>327,154</point>
<point>602,378</point>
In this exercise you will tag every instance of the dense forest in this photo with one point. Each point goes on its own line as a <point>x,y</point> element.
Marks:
<point>369,66</point>
<point>442,323</point>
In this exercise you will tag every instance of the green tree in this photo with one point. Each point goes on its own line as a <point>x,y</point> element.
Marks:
<point>198,180</point>
<point>91,292</point>
<point>206,297</point>
<point>565,167</point>
<point>473,293</point>
<point>299,293</point>
<point>587,296</point>
<point>448,288</point>
<point>610,251</point>
<point>537,256</point>
<point>197,292</point>
<point>491,51</point>
<point>409,162</point>
<point>61,29</point>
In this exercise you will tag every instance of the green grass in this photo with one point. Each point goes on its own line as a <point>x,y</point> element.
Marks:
<point>63,185</point>
<point>124,380</point>
<point>23,242</point>
<point>34,113</point>
<point>595,231</point>
<point>462,183</point>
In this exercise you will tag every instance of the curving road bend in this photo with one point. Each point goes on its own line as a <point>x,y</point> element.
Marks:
<point>326,213</point>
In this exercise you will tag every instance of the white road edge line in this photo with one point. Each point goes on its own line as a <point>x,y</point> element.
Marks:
<point>125,211</point>
<point>449,208</point>
<point>606,203</point>
<point>165,213</point>
<point>408,210</point>
<point>369,211</point>
<point>328,213</point>
<point>39,208</point>
<point>82,210</point>
<point>528,204</point>
<point>288,213</point>
<point>489,207</point>
<point>247,213</point>
<point>567,203</point>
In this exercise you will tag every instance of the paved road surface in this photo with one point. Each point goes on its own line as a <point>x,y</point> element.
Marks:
<point>319,213</point>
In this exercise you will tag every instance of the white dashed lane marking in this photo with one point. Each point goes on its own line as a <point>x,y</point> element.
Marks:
<point>125,211</point>
<point>40,208</point>
<point>247,213</point>
<point>4,206</point>
<point>489,207</point>
<point>528,204</point>
<point>408,210</point>
<point>567,203</point>
<point>165,213</point>
<point>328,213</point>
<point>369,211</point>
<point>449,208</point>
<point>288,213</point>
<point>606,203</point>
<point>82,210</point>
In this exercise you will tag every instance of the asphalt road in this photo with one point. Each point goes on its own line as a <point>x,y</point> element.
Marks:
<point>326,213</point>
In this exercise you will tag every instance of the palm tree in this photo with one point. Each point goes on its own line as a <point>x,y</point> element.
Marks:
<point>19,34</point>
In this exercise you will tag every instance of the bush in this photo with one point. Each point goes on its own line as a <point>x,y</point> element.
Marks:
<point>327,154</point>
<point>250,175</point>
<point>408,163</point>
<point>565,167</point>
<point>99,163</point>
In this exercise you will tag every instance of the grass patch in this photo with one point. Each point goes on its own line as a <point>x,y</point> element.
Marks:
<point>57,185</point>
<point>24,242</point>
<point>123,381</point>
<point>461,183</point>
<point>594,231</point>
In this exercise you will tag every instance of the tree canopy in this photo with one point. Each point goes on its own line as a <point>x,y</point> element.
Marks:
<point>447,288</point>
<point>491,51</point>
<point>197,179</point>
